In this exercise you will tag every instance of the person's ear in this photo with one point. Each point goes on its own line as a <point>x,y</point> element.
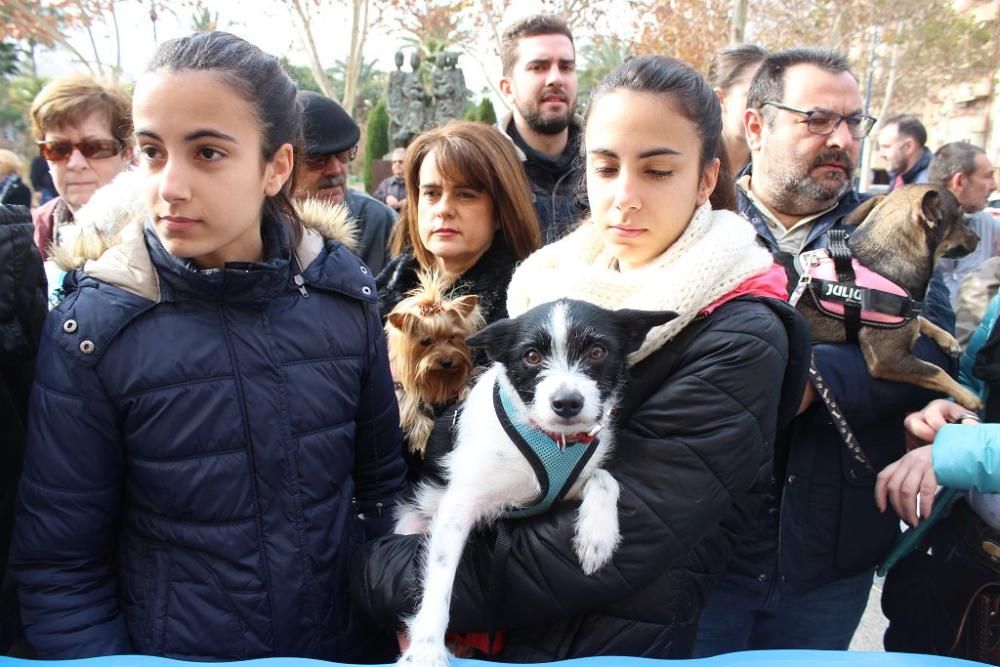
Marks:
<point>753,125</point>
<point>957,182</point>
<point>278,170</point>
<point>708,180</point>
<point>505,87</point>
<point>721,96</point>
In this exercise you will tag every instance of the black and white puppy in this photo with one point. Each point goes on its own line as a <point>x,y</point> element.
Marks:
<point>556,376</point>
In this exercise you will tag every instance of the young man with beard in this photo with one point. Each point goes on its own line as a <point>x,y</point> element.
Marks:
<point>331,144</point>
<point>539,85</point>
<point>802,574</point>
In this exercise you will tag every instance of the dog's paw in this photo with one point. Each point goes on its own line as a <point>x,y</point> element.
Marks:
<point>597,535</point>
<point>594,550</point>
<point>425,654</point>
<point>953,349</point>
<point>969,400</point>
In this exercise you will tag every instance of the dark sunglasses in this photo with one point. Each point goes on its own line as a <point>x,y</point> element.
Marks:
<point>92,149</point>
<point>318,160</point>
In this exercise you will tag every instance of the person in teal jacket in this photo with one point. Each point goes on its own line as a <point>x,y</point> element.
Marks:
<point>959,457</point>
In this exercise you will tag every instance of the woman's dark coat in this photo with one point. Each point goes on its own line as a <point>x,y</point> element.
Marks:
<point>22,311</point>
<point>198,459</point>
<point>711,460</point>
<point>488,279</point>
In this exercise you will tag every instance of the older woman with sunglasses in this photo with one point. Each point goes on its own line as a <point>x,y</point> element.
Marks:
<point>83,128</point>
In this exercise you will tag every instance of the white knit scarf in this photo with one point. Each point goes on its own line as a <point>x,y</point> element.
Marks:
<point>715,253</point>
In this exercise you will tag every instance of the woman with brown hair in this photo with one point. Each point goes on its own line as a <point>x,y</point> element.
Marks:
<point>468,214</point>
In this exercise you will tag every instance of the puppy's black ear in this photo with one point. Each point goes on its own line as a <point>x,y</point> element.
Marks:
<point>858,215</point>
<point>493,338</point>
<point>930,208</point>
<point>637,323</point>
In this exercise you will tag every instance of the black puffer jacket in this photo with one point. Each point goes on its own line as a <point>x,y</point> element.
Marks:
<point>488,279</point>
<point>692,457</point>
<point>22,311</point>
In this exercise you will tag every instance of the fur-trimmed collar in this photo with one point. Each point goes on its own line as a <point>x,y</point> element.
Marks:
<point>110,244</point>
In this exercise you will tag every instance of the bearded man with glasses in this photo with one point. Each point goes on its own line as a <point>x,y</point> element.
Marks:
<point>83,128</point>
<point>802,575</point>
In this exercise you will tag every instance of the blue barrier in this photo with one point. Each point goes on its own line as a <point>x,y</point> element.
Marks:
<point>742,659</point>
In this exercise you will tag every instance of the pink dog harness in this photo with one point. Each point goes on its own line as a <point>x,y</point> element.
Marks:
<point>831,295</point>
<point>843,288</point>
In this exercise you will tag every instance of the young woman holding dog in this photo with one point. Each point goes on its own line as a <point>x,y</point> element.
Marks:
<point>468,214</point>
<point>708,393</point>
<point>213,415</point>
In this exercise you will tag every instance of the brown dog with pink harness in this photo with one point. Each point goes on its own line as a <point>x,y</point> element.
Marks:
<point>867,286</point>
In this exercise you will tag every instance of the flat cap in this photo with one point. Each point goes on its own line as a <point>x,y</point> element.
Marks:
<point>325,125</point>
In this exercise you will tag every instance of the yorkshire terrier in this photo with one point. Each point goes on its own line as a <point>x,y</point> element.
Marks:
<point>426,334</point>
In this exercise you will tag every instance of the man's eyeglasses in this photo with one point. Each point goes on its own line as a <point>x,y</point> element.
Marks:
<point>317,161</point>
<point>825,123</point>
<point>58,150</point>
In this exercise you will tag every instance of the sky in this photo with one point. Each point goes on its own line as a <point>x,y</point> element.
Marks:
<point>267,24</point>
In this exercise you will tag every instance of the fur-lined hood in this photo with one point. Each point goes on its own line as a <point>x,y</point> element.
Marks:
<point>110,246</point>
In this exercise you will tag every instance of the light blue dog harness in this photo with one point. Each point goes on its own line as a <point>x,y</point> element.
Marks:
<point>556,463</point>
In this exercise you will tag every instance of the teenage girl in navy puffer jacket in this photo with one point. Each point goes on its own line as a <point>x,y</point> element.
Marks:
<point>213,428</point>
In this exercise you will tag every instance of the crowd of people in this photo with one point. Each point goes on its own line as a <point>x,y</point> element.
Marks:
<point>203,449</point>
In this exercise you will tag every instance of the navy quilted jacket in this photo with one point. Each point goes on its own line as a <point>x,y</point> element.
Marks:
<point>193,457</point>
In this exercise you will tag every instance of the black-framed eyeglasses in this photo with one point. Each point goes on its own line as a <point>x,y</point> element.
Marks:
<point>316,161</point>
<point>57,150</point>
<point>825,123</point>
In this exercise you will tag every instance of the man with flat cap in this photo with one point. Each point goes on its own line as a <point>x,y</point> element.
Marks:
<point>331,143</point>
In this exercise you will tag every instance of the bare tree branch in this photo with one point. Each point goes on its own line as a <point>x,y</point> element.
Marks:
<point>300,20</point>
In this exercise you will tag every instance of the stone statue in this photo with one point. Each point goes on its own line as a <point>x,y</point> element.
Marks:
<point>395,103</point>
<point>414,113</point>
<point>448,88</point>
<point>411,108</point>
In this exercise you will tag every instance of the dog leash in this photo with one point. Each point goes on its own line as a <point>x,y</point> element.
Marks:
<point>843,428</point>
<point>808,260</point>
